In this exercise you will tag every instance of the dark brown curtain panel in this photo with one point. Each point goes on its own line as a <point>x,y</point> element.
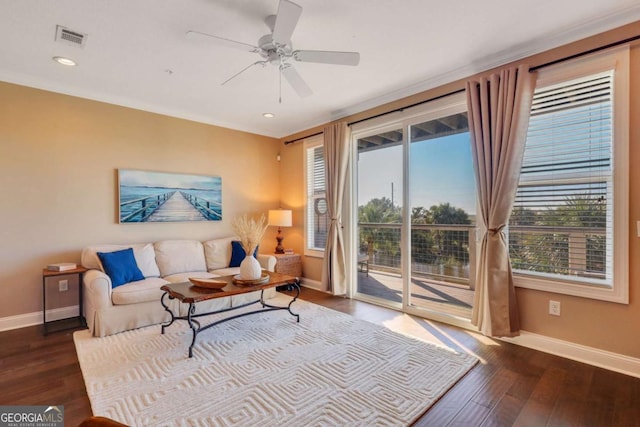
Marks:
<point>499,108</point>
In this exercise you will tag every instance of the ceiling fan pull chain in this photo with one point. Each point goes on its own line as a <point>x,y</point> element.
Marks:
<point>280,81</point>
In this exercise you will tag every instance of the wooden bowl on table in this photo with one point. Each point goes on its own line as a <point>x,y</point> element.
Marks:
<point>208,283</point>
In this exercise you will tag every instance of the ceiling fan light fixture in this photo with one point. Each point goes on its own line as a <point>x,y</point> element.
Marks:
<point>65,61</point>
<point>276,49</point>
<point>268,115</point>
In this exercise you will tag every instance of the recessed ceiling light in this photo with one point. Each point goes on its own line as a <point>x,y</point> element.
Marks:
<point>65,61</point>
<point>268,115</point>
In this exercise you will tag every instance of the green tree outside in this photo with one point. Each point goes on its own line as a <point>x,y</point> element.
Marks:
<point>427,246</point>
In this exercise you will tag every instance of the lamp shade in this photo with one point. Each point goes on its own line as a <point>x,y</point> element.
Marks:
<point>280,217</point>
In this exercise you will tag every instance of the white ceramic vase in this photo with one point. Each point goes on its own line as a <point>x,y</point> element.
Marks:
<point>250,268</point>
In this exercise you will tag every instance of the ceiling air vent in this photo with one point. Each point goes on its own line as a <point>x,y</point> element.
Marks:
<point>65,35</point>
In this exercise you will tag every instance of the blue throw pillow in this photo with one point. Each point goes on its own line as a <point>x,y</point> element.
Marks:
<point>120,266</point>
<point>238,253</point>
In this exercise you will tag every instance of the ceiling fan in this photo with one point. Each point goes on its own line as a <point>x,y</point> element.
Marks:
<point>276,48</point>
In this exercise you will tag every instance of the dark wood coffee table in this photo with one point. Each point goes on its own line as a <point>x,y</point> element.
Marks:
<point>187,293</point>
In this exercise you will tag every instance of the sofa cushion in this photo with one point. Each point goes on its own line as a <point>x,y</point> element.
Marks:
<point>218,252</point>
<point>140,291</point>
<point>240,299</point>
<point>120,266</point>
<point>229,271</point>
<point>184,277</point>
<point>143,252</point>
<point>146,260</point>
<point>238,253</point>
<point>179,256</point>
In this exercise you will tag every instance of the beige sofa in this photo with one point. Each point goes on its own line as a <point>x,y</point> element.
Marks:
<point>137,304</point>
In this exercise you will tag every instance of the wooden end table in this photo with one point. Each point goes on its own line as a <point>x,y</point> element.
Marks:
<point>79,272</point>
<point>187,293</point>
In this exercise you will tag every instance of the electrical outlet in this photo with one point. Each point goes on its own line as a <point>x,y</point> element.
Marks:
<point>63,285</point>
<point>554,308</point>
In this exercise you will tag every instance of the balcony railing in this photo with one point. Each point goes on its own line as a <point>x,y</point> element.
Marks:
<point>447,253</point>
<point>567,251</point>
<point>439,252</point>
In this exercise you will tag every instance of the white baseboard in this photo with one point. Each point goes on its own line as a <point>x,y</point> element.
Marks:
<point>313,284</point>
<point>30,319</point>
<point>590,355</point>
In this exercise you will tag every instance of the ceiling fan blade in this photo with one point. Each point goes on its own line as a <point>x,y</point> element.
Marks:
<point>263,63</point>
<point>296,82</point>
<point>286,21</point>
<point>327,57</point>
<point>221,41</point>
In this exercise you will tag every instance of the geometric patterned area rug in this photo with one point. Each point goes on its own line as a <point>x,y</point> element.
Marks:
<point>330,369</point>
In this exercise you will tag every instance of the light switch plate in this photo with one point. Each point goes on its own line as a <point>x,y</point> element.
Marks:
<point>554,308</point>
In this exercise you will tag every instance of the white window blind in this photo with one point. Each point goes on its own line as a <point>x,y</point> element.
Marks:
<point>562,221</point>
<point>317,218</point>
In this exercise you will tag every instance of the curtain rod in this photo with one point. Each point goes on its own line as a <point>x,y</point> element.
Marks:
<point>303,137</point>
<point>586,52</point>
<point>382,114</point>
<point>532,69</point>
<point>415,104</point>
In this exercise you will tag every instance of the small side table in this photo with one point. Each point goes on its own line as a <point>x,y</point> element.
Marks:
<point>79,272</point>
<point>289,264</point>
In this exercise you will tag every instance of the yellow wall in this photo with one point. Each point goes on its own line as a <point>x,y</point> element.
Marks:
<point>58,162</point>
<point>604,325</point>
<point>293,197</point>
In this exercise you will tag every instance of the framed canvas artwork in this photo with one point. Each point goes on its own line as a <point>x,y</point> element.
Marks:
<point>145,196</point>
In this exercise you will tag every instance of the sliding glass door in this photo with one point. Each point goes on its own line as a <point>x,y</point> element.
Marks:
<point>415,211</point>
<point>379,216</point>
<point>442,211</point>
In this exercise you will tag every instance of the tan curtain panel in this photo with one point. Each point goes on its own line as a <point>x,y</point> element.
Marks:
<point>499,108</point>
<point>336,156</point>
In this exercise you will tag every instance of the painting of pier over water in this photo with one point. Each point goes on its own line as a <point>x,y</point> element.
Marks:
<point>168,197</point>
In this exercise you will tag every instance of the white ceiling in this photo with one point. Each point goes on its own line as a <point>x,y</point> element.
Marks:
<point>406,46</point>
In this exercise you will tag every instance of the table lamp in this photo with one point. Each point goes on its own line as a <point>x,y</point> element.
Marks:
<point>280,218</point>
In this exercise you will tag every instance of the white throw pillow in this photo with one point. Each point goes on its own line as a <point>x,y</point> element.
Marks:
<point>217,252</point>
<point>179,256</point>
<point>146,259</point>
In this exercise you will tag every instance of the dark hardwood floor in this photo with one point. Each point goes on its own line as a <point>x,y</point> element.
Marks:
<point>511,385</point>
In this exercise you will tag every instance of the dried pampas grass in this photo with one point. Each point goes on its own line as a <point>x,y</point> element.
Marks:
<point>249,231</point>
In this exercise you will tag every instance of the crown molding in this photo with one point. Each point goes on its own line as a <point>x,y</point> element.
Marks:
<point>570,34</point>
<point>107,98</point>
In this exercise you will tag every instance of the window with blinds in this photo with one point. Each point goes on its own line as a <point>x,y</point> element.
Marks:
<point>562,220</point>
<point>317,218</point>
